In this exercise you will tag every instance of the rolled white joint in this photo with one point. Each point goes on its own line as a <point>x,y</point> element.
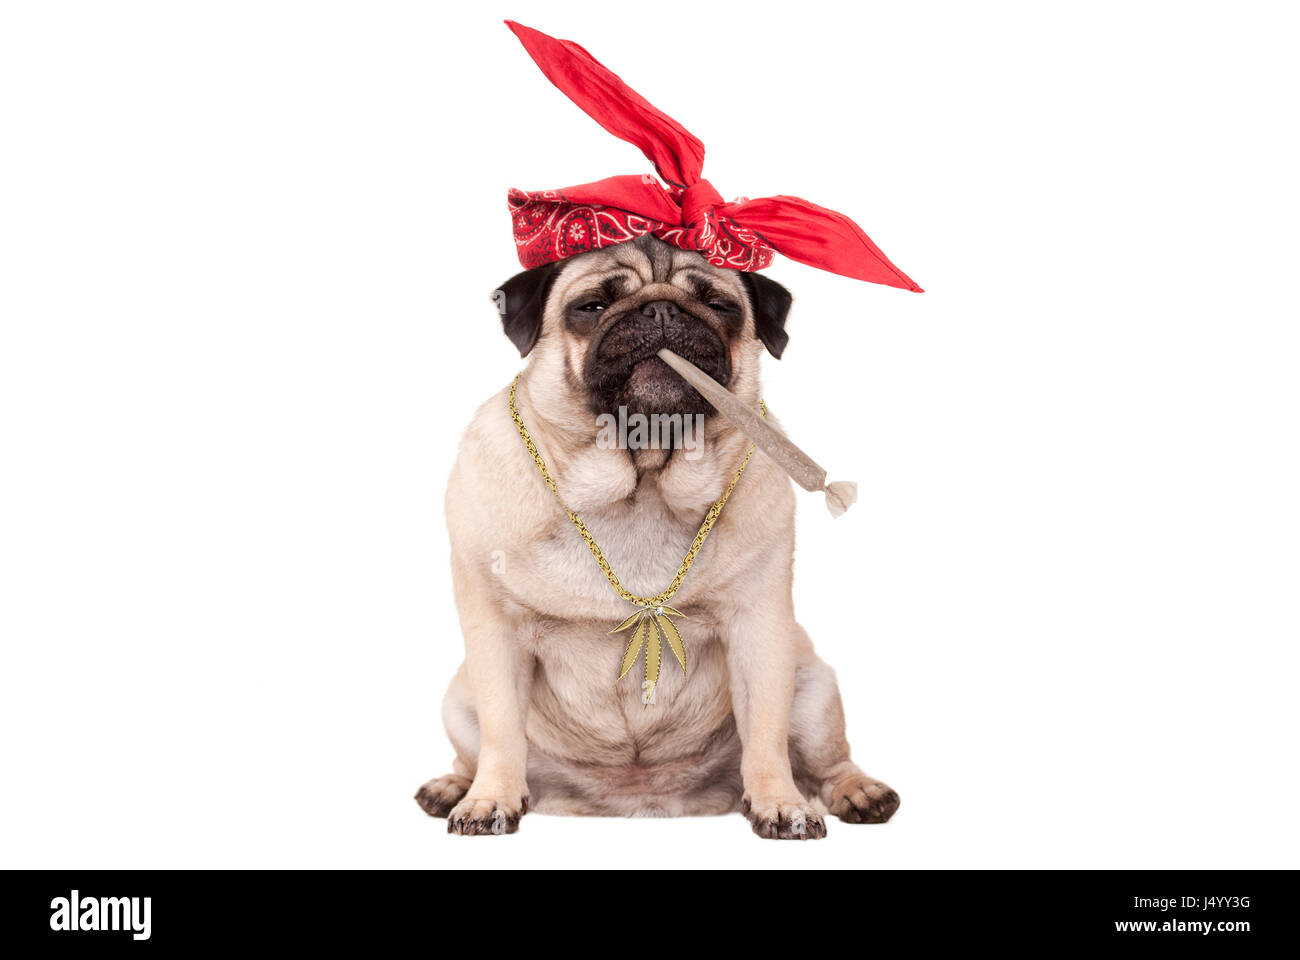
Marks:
<point>648,693</point>
<point>801,468</point>
<point>498,822</point>
<point>799,825</point>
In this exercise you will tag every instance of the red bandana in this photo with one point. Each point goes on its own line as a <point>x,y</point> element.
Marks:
<point>550,225</point>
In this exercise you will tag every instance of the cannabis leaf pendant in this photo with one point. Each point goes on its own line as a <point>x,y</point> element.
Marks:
<point>651,623</point>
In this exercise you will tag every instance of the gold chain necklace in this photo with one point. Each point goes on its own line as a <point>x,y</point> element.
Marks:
<point>650,622</point>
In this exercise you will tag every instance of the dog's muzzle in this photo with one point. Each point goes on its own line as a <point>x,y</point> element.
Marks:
<point>623,365</point>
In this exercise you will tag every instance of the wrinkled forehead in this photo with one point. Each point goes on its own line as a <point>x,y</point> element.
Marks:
<point>621,270</point>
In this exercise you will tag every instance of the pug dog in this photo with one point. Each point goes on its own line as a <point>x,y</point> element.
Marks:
<point>534,714</point>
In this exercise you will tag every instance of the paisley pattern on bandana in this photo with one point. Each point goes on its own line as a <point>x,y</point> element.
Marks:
<point>548,227</point>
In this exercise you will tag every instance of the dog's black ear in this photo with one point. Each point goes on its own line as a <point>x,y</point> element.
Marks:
<point>771,303</point>
<point>521,301</point>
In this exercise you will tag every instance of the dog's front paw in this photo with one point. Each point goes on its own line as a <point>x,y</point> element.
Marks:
<point>777,819</point>
<point>859,799</point>
<point>486,816</point>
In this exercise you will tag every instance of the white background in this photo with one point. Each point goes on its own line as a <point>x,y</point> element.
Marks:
<point>245,258</point>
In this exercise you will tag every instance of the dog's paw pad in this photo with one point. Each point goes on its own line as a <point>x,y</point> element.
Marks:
<point>861,799</point>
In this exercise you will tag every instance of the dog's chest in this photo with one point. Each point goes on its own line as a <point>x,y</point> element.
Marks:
<point>577,708</point>
<point>643,544</point>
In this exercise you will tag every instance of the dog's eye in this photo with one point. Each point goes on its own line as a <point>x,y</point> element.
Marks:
<point>721,306</point>
<point>591,306</point>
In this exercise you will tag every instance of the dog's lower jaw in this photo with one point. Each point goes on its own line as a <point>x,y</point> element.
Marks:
<point>646,385</point>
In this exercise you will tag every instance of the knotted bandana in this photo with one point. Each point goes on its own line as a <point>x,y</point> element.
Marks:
<point>685,210</point>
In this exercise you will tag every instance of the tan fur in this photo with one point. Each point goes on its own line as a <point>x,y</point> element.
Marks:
<point>534,710</point>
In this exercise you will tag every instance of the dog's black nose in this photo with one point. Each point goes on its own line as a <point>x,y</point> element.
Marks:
<point>660,310</point>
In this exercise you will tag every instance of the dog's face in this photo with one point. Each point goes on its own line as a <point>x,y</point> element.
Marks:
<point>612,310</point>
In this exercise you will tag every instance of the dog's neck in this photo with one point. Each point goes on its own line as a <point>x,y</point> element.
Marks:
<point>592,475</point>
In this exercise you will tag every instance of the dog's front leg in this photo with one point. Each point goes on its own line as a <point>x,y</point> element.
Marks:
<point>500,670</point>
<point>762,643</point>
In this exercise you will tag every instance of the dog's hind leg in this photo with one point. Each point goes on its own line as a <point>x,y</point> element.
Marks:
<point>819,752</point>
<point>441,794</point>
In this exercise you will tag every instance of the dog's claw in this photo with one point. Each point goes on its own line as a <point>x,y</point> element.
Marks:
<point>777,820</point>
<point>485,817</point>
<point>860,799</point>
<point>441,794</point>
